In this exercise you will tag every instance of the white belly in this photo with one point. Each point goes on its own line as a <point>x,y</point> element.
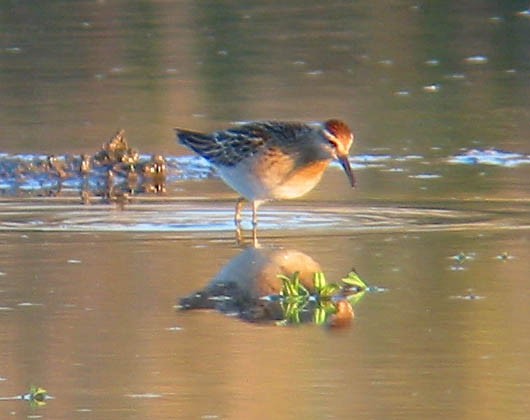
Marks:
<point>269,186</point>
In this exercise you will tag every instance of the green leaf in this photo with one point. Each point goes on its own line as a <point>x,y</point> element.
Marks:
<point>353,280</point>
<point>356,297</point>
<point>37,396</point>
<point>319,281</point>
<point>330,290</point>
<point>287,287</point>
<point>292,287</point>
<point>319,316</point>
<point>291,312</point>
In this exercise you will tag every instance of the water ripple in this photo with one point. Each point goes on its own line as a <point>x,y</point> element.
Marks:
<point>206,216</point>
<point>490,157</point>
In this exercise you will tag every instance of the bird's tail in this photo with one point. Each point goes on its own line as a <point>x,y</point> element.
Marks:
<point>198,142</point>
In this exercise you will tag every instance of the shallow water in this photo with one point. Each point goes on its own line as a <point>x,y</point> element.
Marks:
<point>102,335</point>
<point>437,95</point>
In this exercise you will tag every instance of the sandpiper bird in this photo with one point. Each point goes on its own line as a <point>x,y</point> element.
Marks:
<point>267,160</point>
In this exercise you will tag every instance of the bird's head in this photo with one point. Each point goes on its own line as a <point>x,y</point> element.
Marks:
<point>340,139</point>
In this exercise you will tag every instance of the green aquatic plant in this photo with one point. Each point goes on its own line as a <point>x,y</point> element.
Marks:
<point>36,396</point>
<point>354,287</point>
<point>323,310</point>
<point>296,299</point>
<point>324,290</point>
<point>292,312</point>
<point>292,288</point>
<point>354,281</point>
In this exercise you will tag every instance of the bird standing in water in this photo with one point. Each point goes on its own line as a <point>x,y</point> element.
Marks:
<point>271,160</point>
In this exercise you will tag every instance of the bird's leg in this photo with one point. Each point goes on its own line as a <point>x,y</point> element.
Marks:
<point>255,237</point>
<point>255,205</point>
<point>237,216</point>
<point>239,236</point>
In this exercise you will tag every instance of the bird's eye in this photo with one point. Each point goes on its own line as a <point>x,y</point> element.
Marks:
<point>330,137</point>
<point>333,143</point>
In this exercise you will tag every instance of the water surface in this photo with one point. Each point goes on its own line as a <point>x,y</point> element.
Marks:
<point>437,95</point>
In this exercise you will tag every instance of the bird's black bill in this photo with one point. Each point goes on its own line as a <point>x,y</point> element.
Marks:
<point>347,168</point>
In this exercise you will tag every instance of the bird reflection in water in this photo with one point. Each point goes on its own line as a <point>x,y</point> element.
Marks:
<point>250,287</point>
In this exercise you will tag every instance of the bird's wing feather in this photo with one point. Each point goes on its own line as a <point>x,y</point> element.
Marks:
<point>230,146</point>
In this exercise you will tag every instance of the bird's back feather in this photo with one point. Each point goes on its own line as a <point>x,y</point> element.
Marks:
<point>230,146</point>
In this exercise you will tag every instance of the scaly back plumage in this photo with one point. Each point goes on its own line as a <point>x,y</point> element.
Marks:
<point>228,147</point>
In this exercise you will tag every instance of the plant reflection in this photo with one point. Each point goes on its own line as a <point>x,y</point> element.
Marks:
<point>281,287</point>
